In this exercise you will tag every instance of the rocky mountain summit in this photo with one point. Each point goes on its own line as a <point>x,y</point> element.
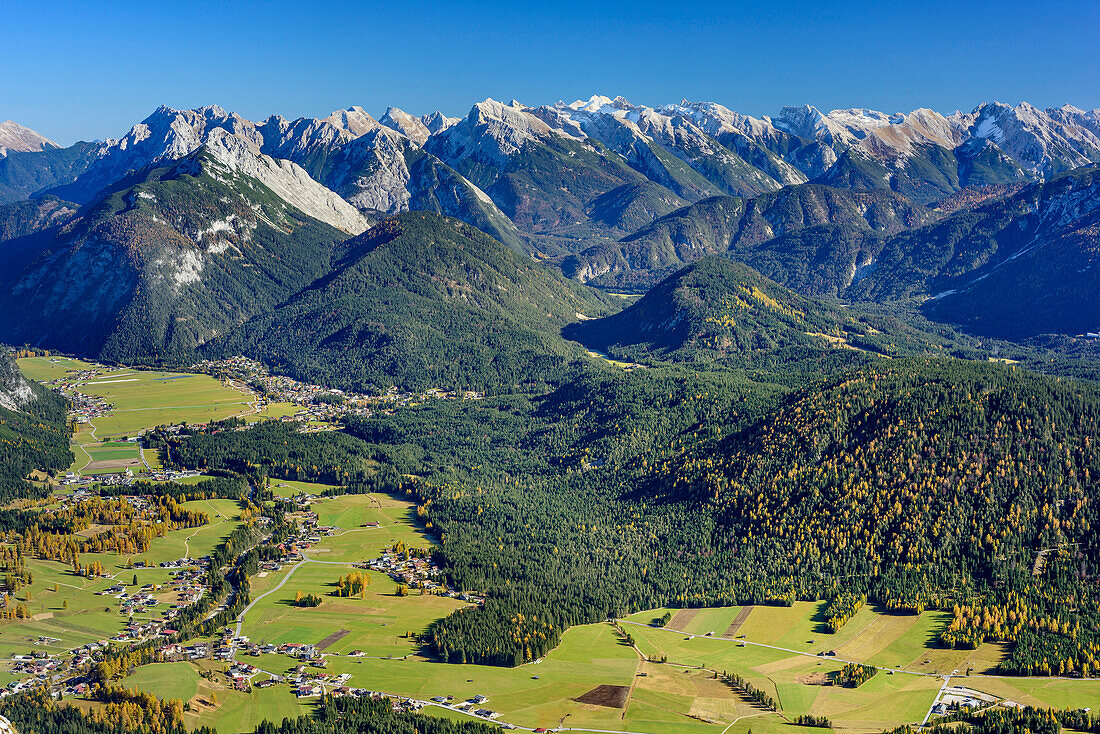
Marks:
<point>15,137</point>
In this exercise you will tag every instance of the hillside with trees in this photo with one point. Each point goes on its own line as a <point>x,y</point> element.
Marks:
<point>423,301</point>
<point>34,432</point>
<point>740,228</point>
<point>165,260</point>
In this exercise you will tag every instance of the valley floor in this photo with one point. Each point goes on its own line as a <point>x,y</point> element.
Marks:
<point>602,677</point>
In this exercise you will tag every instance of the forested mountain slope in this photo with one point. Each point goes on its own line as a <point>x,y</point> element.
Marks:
<point>720,311</point>
<point>422,301</point>
<point>26,229</point>
<point>26,174</point>
<point>927,172</point>
<point>1009,261</point>
<point>923,483</point>
<point>714,309</point>
<point>956,252</point>
<point>34,432</point>
<point>739,227</point>
<point>173,256</point>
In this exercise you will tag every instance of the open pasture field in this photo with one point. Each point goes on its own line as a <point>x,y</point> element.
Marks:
<point>780,657</point>
<point>111,456</point>
<point>152,458</point>
<point>212,703</point>
<point>377,624</point>
<point>290,488</point>
<point>44,369</point>
<point>367,524</point>
<point>166,680</point>
<point>145,398</point>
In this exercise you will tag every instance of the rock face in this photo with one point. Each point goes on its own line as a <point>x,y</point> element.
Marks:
<point>328,167</point>
<point>15,391</point>
<point>541,178</point>
<point>288,180</point>
<point>1042,142</point>
<point>491,134</point>
<point>411,127</point>
<point>15,137</point>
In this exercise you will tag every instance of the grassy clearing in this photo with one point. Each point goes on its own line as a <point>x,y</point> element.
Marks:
<point>50,368</point>
<point>378,623</point>
<point>289,488</point>
<point>166,680</point>
<point>152,458</point>
<point>792,677</point>
<point>142,398</point>
<point>274,410</point>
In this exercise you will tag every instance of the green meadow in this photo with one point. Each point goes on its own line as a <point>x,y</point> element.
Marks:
<point>145,398</point>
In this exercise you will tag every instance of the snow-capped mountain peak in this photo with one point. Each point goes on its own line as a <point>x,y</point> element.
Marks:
<point>595,103</point>
<point>1042,141</point>
<point>492,132</point>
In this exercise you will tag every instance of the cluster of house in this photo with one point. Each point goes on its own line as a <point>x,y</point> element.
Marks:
<point>309,533</point>
<point>474,705</point>
<point>177,652</point>
<point>300,503</point>
<point>120,479</point>
<point>308,683</point>
<point>82,407</point>
<point>187,585</point>
<point>318,403</point>
<point>416,572</point>
<point>167,475</point>
<point>39,665</point>
<point>41,669</point>
<point>125,478</point>
<point>138,603</point>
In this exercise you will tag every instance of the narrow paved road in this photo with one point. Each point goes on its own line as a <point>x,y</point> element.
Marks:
<point>946,682</point>
<point>240,617</point>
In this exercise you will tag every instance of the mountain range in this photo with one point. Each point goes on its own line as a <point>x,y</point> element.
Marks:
<point>200,227</point>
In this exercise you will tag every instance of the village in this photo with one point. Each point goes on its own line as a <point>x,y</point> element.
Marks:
<point>125,478</point>
<point>146,610</point>
<point>319,405</point>
<point>306,677</point>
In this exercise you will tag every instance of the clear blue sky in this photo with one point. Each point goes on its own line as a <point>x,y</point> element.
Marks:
<point>84,70</point>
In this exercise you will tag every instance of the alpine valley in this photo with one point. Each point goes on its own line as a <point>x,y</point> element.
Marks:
<point>589,416</point>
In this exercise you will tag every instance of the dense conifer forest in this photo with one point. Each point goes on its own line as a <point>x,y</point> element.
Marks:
<point>665,486</point>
